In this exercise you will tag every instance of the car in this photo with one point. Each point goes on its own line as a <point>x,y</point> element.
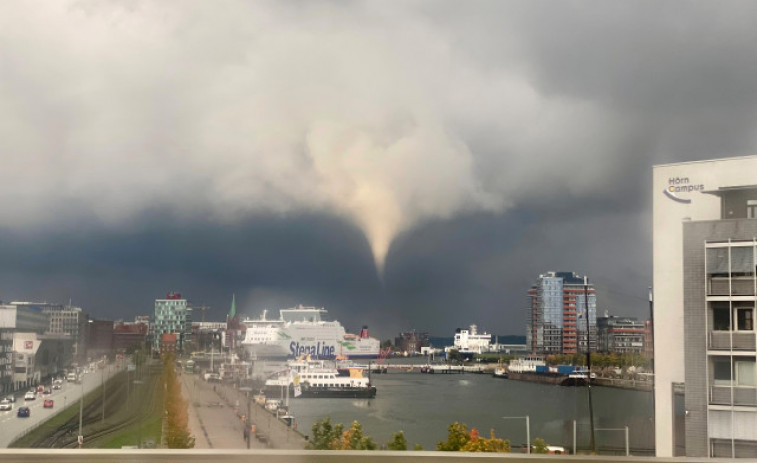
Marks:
<point>23,412</point>
<point>48,403</point>
<point>11,398</point>
<point>47,391</point>
<point>40,388</point>
<point>56,386</point>
<point>5,404</point>
<point>30,396</point>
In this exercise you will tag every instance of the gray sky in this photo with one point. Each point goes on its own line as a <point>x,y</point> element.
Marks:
<point>405,164</point>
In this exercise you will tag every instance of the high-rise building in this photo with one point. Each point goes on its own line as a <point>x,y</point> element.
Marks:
<point>705,292</point>
<point>561,303</point>
<point>172,316</point>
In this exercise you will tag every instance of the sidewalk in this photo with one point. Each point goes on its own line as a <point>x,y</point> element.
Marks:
<point>214,423</point>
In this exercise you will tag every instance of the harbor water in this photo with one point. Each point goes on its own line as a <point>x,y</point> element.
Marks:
<point>424,405</point>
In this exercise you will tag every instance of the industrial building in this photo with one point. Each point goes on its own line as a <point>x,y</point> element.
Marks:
<point>705,291</point>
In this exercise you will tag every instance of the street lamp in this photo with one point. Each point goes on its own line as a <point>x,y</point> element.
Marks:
<point>139,419</point>
<point>528,428</point>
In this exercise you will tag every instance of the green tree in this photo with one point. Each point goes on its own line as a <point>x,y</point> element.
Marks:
<point>540,446</point>
<point>333,437</point>
<point>398,442</point>
<point>457,437</point>
<point>454,355</point>
<point>386,343</point>
<point>325,436</point>
<point>418,447</point>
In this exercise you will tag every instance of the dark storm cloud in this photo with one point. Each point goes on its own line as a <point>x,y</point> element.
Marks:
<point>472,144</point>
<point>268,263</point>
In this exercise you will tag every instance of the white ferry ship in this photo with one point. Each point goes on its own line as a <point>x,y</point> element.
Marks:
<point>302,331</point>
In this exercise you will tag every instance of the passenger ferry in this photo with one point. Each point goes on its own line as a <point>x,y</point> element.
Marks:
<point>303,331</point>
<point>313,379</point>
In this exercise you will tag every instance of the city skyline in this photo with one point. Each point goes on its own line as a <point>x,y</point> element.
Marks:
<point>409,165</point>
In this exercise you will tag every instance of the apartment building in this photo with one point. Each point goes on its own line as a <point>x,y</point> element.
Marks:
<point>560,304</point>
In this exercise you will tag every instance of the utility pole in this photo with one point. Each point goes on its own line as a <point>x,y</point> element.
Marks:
<point>102,380</point>
<point>592,442</point>
<point>81,411</point>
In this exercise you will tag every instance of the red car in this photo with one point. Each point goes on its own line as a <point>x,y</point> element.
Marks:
<point>48,403</point>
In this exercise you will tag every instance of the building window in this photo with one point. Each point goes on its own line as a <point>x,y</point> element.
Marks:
<point>721,320</point>
<point>745,319</point>
<point>745,372</point>
<point>721,369</point>
<point>751,208</point>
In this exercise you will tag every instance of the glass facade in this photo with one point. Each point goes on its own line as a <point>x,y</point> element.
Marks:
<point>172,316</point>
<point>558,310</point>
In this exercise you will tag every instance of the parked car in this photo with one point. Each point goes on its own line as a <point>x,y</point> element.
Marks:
<point>5,404</point>
<point>23,412</point>
<point>48,403</point>
<point>30,396</point>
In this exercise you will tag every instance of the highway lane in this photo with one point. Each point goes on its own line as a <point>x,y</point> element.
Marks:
<point>11,426</point>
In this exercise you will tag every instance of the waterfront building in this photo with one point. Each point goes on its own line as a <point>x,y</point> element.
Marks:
<point>705,292</point>
<point>411,342</point>
<point>621,335</point>
<point>469,342</point>
<point>558,313</point>
<point>172,316</point>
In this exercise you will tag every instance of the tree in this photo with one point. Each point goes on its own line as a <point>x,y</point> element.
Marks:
<point>454,355</point>
<point>540,446</point>
<point>325,436</point>
<point>177,419</point>
<point>386,343</point>
<point>418,447</point>
<point>479,444</point>
<point>457,437</point>
<point>333,437</point>
<point>353,439</point>
<point>398,442</point>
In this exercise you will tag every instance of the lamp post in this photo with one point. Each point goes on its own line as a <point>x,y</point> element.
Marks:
<point>139,428</point>
<point>81,411</point>
<point>528,428</point>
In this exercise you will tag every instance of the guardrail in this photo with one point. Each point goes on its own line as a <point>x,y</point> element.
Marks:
<point>325,456</point>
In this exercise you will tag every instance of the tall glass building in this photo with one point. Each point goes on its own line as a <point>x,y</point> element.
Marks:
<point>558,314</point>
<point>172,315</point>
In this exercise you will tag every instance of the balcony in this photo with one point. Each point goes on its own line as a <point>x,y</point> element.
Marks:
<point>742,340</point>
<point>739,286</point>
<point>743,396</point>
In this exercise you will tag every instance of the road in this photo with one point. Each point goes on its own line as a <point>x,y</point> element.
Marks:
<point>12,427</point>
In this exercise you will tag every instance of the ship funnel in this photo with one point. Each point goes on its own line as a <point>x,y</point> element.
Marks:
<point>364,332</point>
